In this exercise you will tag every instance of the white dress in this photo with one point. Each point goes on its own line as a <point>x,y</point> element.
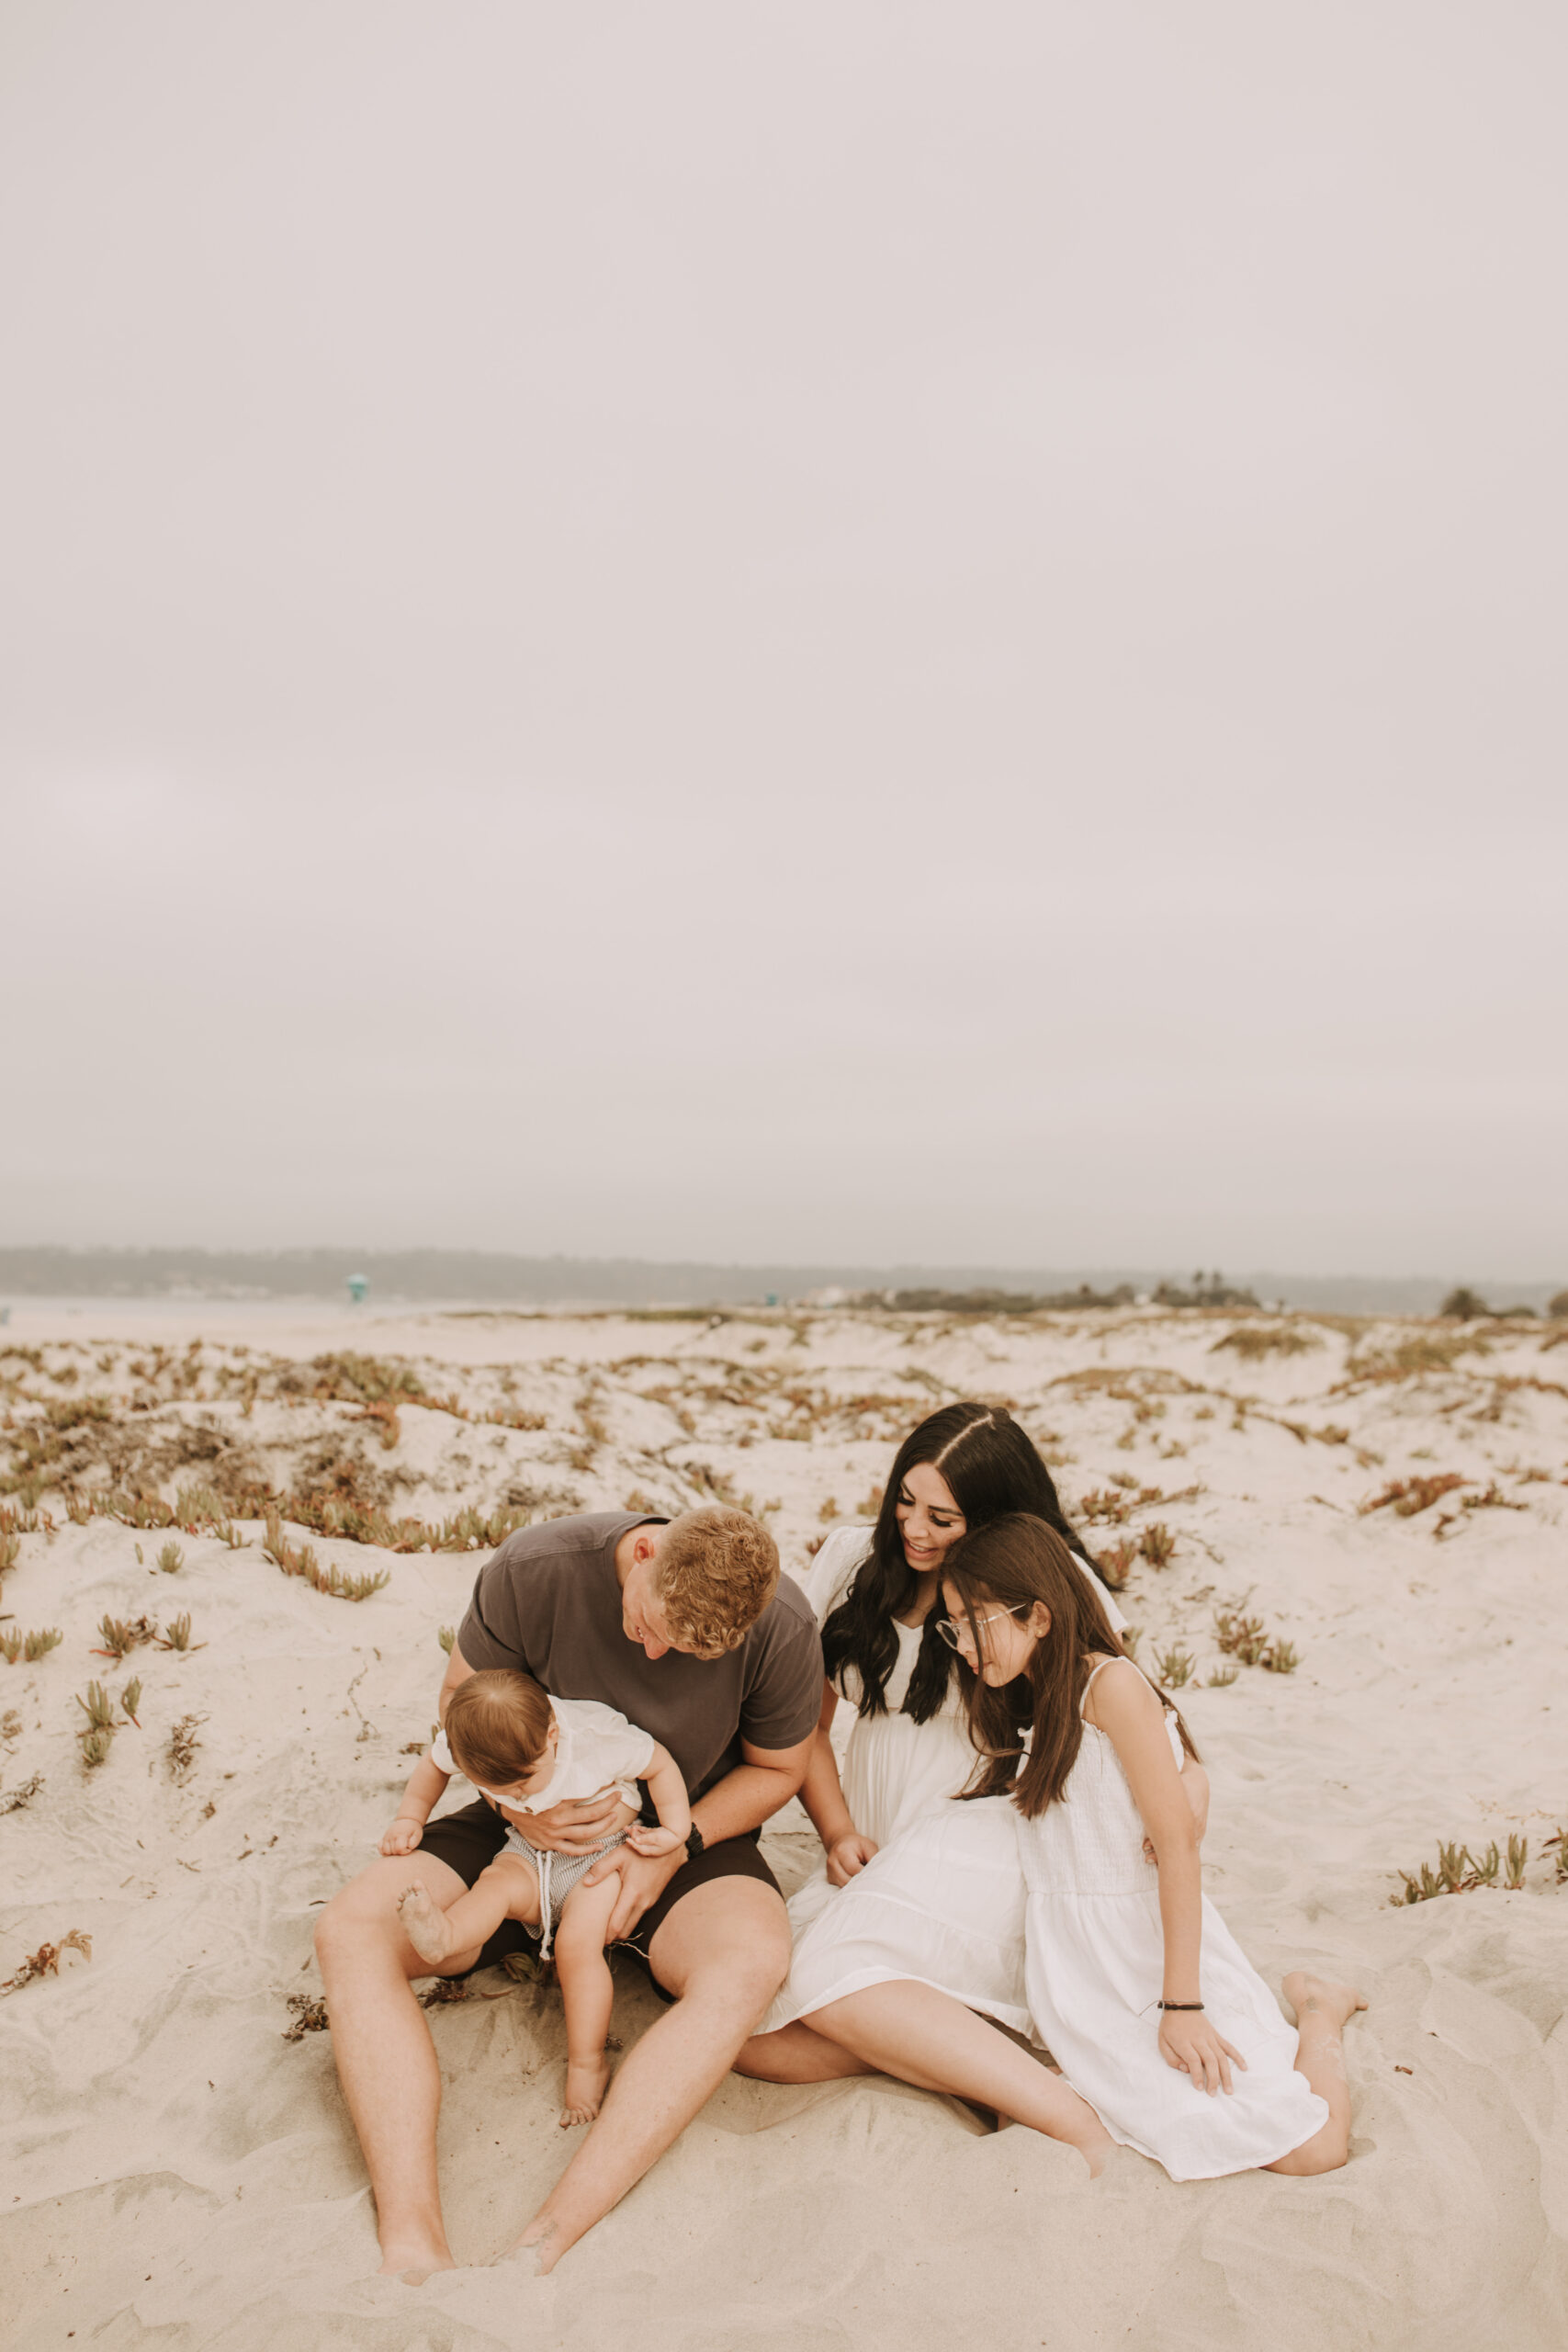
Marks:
<point>943,1901</point>
<point>1093,1969</point>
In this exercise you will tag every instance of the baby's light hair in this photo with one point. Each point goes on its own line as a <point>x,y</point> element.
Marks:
<point>497,1723</point>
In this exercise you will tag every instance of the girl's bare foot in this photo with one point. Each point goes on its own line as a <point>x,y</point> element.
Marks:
<point>585,2088</point>
<point>424,1924</point>
<point>1320,1996</point>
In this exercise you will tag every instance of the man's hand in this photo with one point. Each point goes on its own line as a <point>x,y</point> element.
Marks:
<point>643,1877</point>
<point>847,1857</point>
<point>579,1824</point>
<point>402,1836</point>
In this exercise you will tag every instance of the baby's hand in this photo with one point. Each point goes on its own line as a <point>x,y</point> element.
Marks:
<point>652,1841</point>
<point>402,1836</point>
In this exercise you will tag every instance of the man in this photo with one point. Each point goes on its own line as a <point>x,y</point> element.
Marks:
<point>687,1626</point>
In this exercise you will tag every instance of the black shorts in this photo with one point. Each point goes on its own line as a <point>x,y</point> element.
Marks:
<point>469,1839</point>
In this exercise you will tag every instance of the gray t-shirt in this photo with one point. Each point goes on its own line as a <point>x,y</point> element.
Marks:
<point>550,1602</point>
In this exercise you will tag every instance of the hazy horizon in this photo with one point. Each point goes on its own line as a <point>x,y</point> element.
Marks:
<point>746,634</point>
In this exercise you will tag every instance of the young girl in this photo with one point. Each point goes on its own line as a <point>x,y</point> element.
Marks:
<point>1132,1980</point>
<point>526,1752</point>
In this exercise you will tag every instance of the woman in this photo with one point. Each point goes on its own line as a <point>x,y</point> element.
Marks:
<point>1131,1973</point>
<point>877,1596</point>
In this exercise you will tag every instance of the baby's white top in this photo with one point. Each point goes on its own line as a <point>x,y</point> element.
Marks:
<point>597,1749</point>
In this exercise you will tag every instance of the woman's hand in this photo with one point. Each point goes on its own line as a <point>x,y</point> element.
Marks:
<point>1188,2041</point>
<point>848,1856</point>
<point>402,1836</point>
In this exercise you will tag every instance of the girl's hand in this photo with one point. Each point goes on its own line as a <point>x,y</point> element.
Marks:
<point>402,1836</point>
<point>1188,2041</point>
<point>847,1857</point>
<point>643,1840</point>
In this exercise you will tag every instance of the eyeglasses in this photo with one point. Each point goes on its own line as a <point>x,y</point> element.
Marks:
<point>952,1634</point>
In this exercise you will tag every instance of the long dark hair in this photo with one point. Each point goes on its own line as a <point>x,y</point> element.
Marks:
<point>1014,1561</point>
<point>992,1467</point>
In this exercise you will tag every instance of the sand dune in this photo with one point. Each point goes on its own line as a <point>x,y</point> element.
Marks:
<point>177,2174</point>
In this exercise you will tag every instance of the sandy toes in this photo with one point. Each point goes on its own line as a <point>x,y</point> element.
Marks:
<point>424,1924</point>
<point>585,2088</point>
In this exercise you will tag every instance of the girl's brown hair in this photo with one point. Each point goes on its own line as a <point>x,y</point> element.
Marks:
<point>1015,1561</point>
<point>497,1723</point>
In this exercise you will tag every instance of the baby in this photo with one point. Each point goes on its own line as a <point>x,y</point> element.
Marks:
<point>526,1752</point>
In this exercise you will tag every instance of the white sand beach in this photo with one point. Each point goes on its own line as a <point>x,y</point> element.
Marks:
<point>180,2174</point>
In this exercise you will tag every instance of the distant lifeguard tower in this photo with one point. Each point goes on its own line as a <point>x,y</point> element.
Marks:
<point>358,1289</point>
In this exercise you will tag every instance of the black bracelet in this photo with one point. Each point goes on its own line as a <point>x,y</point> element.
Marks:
<point>1181,2005</point>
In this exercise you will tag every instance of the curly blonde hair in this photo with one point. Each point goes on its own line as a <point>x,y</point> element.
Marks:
<point>715,1573</point>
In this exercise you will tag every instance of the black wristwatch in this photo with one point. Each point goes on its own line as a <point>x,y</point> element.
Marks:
<point>694,1843</point>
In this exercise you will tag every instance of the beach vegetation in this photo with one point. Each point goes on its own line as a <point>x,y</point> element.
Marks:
<point>1406,1497</point>
<point>1464,1304</point>
<point>14,1800</point>
<point>447,1635</point>
<point>171,1559</point>
<point>1220,1677</point>
<point>1115,1562</point>
<point>1493,1499</point>
<point>119,1637</point>
<point>299,1560</point>
<point>130,1698</point>
<point>176,1635</point>
<point>30,1647</point>
<point>1176,1667</point>
<point>1252,1341</point>
<point>1519,1855</point>
<point>1557,1844</point>
<point>1157,1545</point>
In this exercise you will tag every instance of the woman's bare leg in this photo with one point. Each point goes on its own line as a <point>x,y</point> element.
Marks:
<point>926,2038</point>
<point>1323,2011</point>
<point>795,2054</point>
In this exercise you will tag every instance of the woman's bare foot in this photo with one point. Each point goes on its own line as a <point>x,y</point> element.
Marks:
<point>1320,1996</point>
<point>413,2257</point>
<point>424,1924</point>
<point>585,2088</point>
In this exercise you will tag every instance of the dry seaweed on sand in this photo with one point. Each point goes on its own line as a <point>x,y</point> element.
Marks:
<point>182,1747</point>
<point>309,2017</point>
<point>46,1960</point>
<point>444,1993</point>
<point>14,1800</point>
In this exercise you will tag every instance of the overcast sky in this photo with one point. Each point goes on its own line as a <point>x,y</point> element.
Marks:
<point>820,631</point>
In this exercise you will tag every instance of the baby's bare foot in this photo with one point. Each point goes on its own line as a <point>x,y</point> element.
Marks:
<point>424,1924</point>
<point>585,2088</point>
<point>1321,1996</point>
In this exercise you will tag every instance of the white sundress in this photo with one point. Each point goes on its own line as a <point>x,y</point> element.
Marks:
<point>1093,1970</point>
<point>942,1901</point>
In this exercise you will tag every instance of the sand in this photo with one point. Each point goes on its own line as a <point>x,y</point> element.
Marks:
<point>177,2174</point>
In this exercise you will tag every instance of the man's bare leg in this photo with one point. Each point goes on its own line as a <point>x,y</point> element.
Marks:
<point>926,2038</point>
<point>724,1951</point>
<point>795,2054</point>
<point>1323,2011</point>
<point>386,2060</point>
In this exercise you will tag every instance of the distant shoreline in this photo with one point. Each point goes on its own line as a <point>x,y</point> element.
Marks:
<point>456,1281</point>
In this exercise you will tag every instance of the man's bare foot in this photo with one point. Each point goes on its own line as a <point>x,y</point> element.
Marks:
<point>1322,1996</point>
<point>424,1924</point>
<point>585,2088</point>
